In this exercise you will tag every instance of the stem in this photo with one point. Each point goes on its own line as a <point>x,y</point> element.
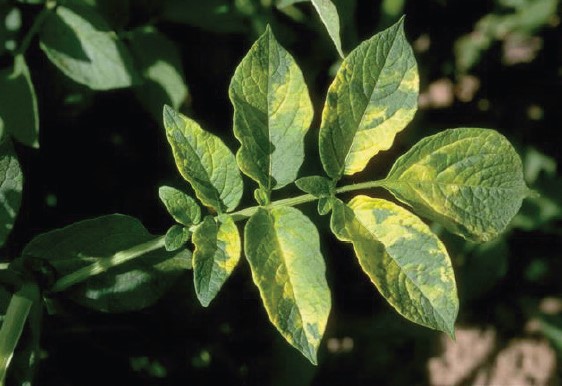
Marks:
<point>105,264</point>
<point>13,325</point>
<point>102,265</point>
<point>49,5</point>
<point>293,201</point>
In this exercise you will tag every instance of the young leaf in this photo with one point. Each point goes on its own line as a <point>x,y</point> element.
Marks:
<point>272,113</point>
<point>403,258</point>
<point>159,64</point>
<point>318,186</point>
<point>18,104</point>
<point>126,287</point>
<point>81,44</point>
<point>469,180</point>
<point>329,15</point>
<point>373,97</point>
<point>283,249</point>
<point>204,161</point>
<point>11,181</point>
<point>176,237</point>
<point>181,207</point>
<point>217,252</point>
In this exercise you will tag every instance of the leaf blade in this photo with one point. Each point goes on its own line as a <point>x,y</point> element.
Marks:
<point>159,63</point>
<point>180,206</point>
<point>469,180</point>
<point>81,44</point>
<point>272,113</point>
<point>204,161</point>
<point>407,263</point>
<point>357,125</point>
<point>130,286</point>
<point>217,252</point>
<point>11,185</point>
<point>289,271</point>
<point>329,15</point>
<point>18,104</point>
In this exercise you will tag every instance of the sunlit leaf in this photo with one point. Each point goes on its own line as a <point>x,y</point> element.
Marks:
<point>469,180</point>
<point>176,237</point>
<point>329,15</point>
<point>318,186</point>
<point>204,161</point>
<point>217,252</point>
<point>373,97</point>
<point>181,207</point>
<point>283,249</point>
<point>403,258</point>
<point>272,113</point>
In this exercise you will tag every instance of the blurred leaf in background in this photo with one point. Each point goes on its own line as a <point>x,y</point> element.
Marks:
<point>83,46</point>
<point>514,24</point>
<point>129,286</point>
<point>18,104</point>
<point>11,181</point>
<point>159,64</point>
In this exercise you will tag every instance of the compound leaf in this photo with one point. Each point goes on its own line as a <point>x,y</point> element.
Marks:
<point>217,252</point>
<point>82,45</point>
<point>272,113</point>
<point>469,180</point>
<point>408,264</point>
<point>159,63</point>
<point>19,115</point>
<point>329,15</point>
<point>373,97</point>
<point>176,237</point>
<point>130,286</point>
<point>283,249</point>
<point>11,182</point>
<point>204,161</point>
<point>181,207</point>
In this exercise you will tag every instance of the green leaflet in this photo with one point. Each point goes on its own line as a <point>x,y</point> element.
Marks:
<point>373,97</point>
<point>204,161</point>
<point>126,287</point>
<point>159,63</point>
<point>283,249</point>
<point>318,186</point>
<point>176,237</point>
<point>272,113</point>
<point>403,258</point>
<point>329,15</point>
<point>18,104</point>
<point>470,180</point>
<point>217,252</point>
<point>81,44</point>
<point>181,207</point>
<point>11,181</point>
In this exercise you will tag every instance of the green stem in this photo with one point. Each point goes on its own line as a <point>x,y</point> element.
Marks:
<point>37,23</point>
<point>13,324</point>
<point>293,201</point>
<point>102,265</point>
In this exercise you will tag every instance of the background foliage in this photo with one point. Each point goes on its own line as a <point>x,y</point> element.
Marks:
<point>89,142</point>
